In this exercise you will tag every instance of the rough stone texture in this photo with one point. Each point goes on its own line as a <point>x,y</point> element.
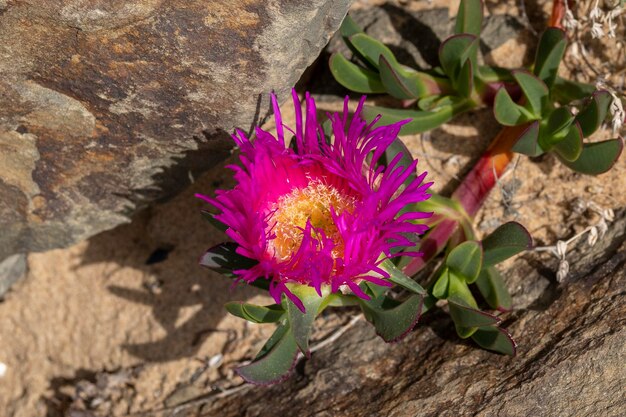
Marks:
<point>108,105</point>
<point>570,362</point>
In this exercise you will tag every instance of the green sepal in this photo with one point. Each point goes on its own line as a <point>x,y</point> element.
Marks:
<point>255,313</point>
<point>598,157</point>
<point>393,320</point>
<point>507,112</point>
<point>405,83</point>
<point>466,260</point>
<point>371,49</point>
<point>570,147</point>
<point>354,77</point>
<point>422,121</point>
<point>400,278</point>
<point>492,288</point>
<point>496,339</point>
<point>275,360</point>
<point>301,323</point>
<point>528,142</point>
<point>469,19</point>
<point>534,89</point>
<point>594,112</point>
<point>210,217</point>
<point>549,54</point>
<point>506,241</point>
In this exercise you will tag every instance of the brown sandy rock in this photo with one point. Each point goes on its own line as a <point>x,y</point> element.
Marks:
<point>108,105</point>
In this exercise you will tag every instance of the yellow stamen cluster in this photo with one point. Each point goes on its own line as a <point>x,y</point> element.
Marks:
<point>292,211</point>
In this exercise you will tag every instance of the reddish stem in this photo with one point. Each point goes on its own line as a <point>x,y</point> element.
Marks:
<point>475,188</point>
<point>471,194</point>
<point>558,12</point>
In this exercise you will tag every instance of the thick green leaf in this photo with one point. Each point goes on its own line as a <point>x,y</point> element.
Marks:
<point>255,313</point>
<point>469,19</point>
<point>598,157</point>
<point>454,52</point>
<point>399,278</point>
<point>371,49</point>
<point>571,146</point>
<point>466,316</point>
<point>405,83</point>
<point>593,114</point>
<point>565,91</point>
<point>422,121</point>
<point>507,112</point>
<point>496,339</point>
<point>549,54</point>
<point>466,260</point>
<point>349,27</point>
<point>535,91</point>
<point>494,74</point>
<point>354,77</point>
<point>459,291</point>
<point>493,290</point>
<point>275,361</point>
<point>528,142</point>
<point>440,289</point>
<point>465,82</point>
<point>392,324</point>
<point>556,127</point>
<point>507,240</point>
<point>302,323</point>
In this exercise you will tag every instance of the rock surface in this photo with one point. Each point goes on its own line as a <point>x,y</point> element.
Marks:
<point>570,362</point>
<point>108,105</point>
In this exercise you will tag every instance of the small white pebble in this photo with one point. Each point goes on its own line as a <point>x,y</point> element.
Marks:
<point>3,369</point>
<point>216,360</point>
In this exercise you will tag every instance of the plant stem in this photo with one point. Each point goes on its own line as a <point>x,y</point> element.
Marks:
<point>471,194</point>
<point>475,188</point>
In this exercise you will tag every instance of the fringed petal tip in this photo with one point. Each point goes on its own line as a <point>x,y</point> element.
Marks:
<point>328,206</point>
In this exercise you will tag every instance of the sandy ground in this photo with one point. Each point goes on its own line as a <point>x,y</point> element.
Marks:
<point>130,313</point>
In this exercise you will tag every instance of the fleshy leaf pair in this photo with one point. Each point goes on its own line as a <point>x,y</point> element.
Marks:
<point>557,129</point>
<point>472,262</point>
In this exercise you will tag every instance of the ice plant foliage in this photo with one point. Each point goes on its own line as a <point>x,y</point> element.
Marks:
<point>333,214</point>
<point>317,217</point>
<point>321,214</point>
<point>540,111</point>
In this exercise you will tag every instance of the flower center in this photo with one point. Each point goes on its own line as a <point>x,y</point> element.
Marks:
<point>313,203</point>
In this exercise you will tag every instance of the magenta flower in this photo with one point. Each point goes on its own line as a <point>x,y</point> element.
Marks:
<point>322,215</point>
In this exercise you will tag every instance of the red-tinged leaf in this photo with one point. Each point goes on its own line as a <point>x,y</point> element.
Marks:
<point>507,240</point>
<point>598,157</point>
<point>495,339</point>
<point>275,361</point>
